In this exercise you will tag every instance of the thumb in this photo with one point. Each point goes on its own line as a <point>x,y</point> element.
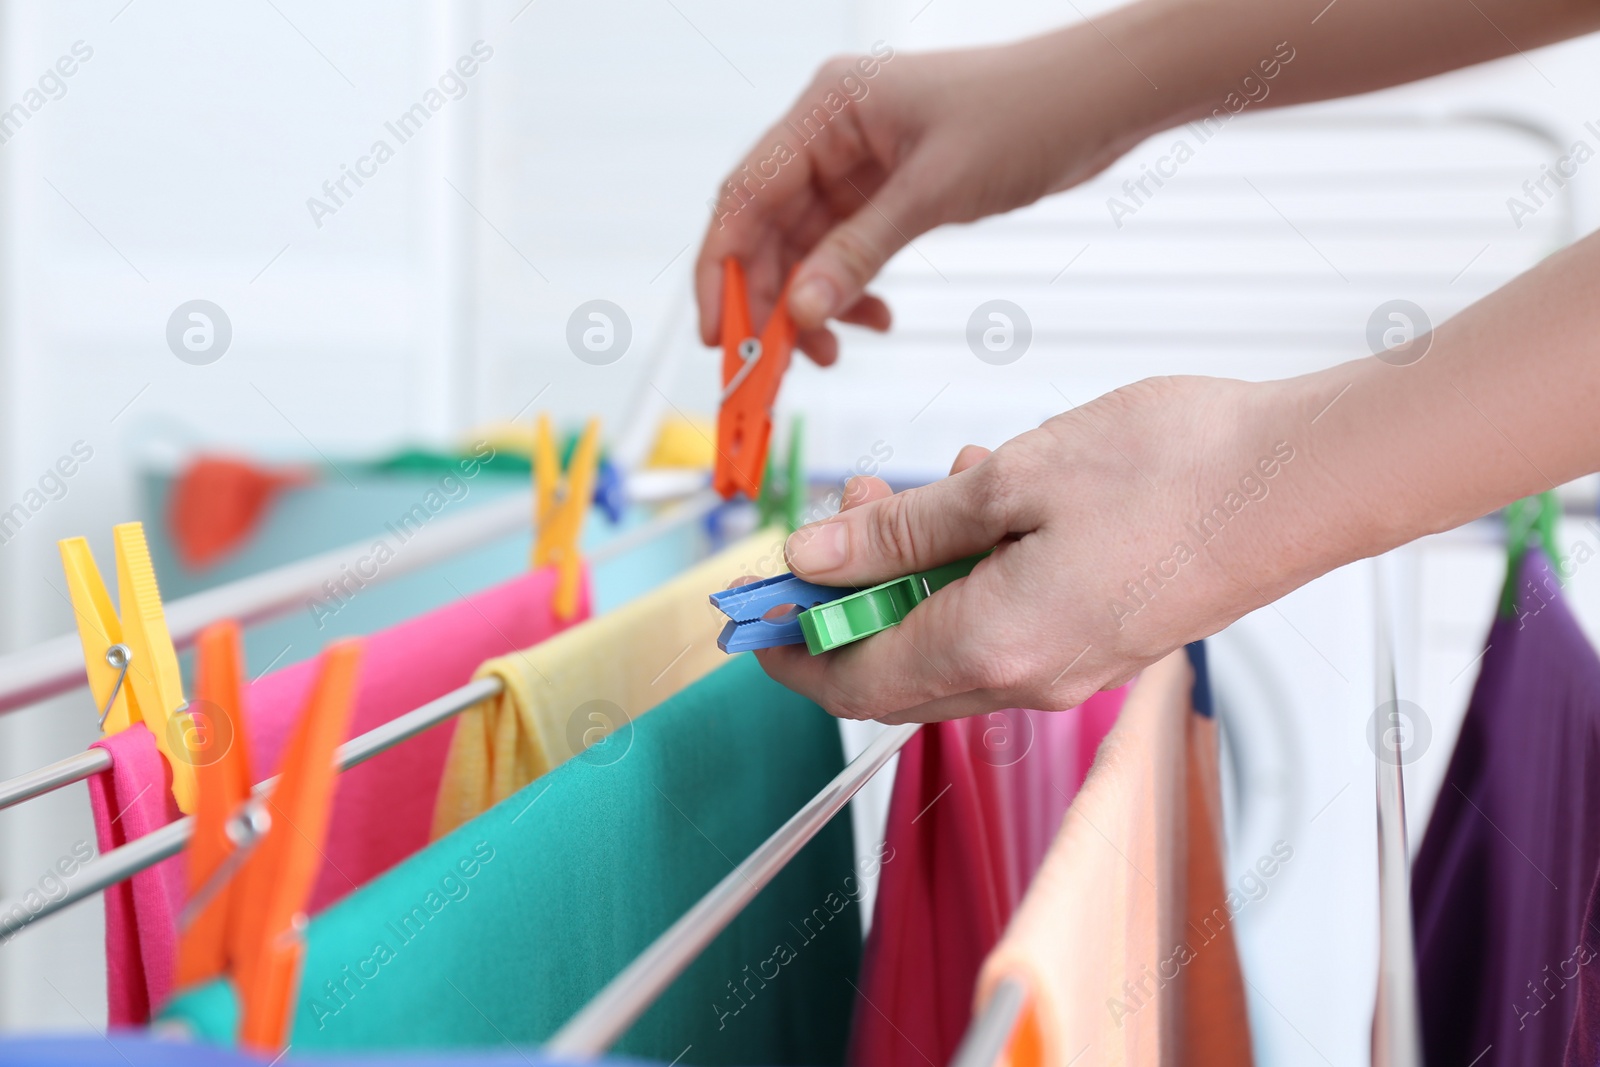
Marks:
<point>898,535</point>
<point>835,275</point>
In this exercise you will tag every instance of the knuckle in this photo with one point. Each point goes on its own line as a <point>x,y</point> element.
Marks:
<point>890,533</point>
<point>856,253</point>
<point>1003,671</point>
<point>995,491</point>
<point>1064,696</point>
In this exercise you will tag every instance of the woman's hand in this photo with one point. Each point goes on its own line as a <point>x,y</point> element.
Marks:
<point>916,141</point>
<point>1153,516</point>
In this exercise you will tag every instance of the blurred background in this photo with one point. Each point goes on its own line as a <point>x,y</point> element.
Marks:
<point>195,154</point>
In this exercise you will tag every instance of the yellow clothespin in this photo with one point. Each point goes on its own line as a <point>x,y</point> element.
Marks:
<point>148,687</point>
<point>560,506</point>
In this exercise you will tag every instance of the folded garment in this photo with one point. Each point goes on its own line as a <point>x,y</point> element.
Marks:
<point>975,804</point>
<point>130,800</point>
<point>572,691</point>
<point>382,809</point>
<point>1124,944</point>
<point>502,930</point>
<point>134,1049</point>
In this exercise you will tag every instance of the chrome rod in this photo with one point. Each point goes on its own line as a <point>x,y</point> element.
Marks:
<point>991,1029</point>
<point>77,768</point>
<point>128,860</point>
<point>615,1008</point>
<point>74,768</point>
<point>1396,1030</point>
<point>55,665</point>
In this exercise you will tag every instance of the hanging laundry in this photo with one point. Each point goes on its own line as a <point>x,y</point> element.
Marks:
<point>217,502</point>
<point>127,802</point>
<point>143,1050</point>
<point>566,694</point>
<point>1124,943</point>
<point>505,928</point>
<point>1502,880</point>
<point>975,804</point>
<point>1583,1041</point>
<point>383,808</point>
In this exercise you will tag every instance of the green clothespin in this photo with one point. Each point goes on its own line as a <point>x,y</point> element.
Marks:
<point>785,499</point>
<point>1524,518</point>
<point>857,615</point>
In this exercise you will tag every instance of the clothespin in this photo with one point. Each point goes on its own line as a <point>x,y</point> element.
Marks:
<point>1533,516</point>
<point>783,499</point>
<point>610,492</point>
<point>265,942</point>
<point>223,830</point>
<point>787,610</point>
<point>561,502</point>
<point>752,368</point>
<point>148,687</point>
<point>765,614</point>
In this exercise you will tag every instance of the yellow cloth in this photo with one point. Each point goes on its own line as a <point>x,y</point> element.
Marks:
<point>571,691</point>
<point>1123,945</point>
<point>684,442</point>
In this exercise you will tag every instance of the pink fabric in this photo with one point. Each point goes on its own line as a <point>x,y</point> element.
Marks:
<point>976,803</point>
<point>382,809</point>
<point>129,801</point>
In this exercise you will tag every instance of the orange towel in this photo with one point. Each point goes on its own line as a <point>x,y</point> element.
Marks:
<point>1124,944</point>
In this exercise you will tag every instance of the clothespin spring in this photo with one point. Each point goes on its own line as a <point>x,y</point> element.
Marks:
<point>118,656</point>
<point>750,352</point>
<point>245,830</point>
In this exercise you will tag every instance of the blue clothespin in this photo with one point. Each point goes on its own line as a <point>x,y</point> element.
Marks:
<point>746,605</point>
<point>610,495</point>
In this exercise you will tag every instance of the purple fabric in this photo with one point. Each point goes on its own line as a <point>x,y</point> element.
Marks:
<point>1501,883</point>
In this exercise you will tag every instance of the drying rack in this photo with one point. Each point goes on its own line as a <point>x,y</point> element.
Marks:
<point>619,1004</point>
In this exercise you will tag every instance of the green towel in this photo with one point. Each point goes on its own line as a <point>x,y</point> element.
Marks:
<point>502,930</point>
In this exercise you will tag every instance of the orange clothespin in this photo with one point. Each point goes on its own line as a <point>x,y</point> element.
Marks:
<point>132,666</point>
<point>752,368</point>
<point>264,943</point>
<point>222,780</point>
<point>560,506</point>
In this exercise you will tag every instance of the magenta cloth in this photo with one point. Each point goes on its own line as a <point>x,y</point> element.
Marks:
<point>382,810</point>
<point>1500,883</point>
<point>129,801</point>
<point>976,803</point>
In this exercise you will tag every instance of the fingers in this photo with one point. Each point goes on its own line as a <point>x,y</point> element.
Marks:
<point>863,490</point>
<point>822,345</point>
<point>929,663</point>
<point>834,276</point>
<point>969,456</point>
<point>892,536</point>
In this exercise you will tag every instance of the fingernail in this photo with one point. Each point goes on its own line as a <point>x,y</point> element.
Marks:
<point>816,548</point>
<point>814,299</point>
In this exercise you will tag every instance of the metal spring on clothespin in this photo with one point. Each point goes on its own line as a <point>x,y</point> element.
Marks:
<point>245,830</point>
<point>118,656</point>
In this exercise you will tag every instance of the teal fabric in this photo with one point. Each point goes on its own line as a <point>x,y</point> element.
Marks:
<point>501,931</point>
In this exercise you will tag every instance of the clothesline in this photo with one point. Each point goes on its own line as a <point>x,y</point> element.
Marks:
<point>55,665</point>
<point>124,862</point>
<point>77,767</point>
